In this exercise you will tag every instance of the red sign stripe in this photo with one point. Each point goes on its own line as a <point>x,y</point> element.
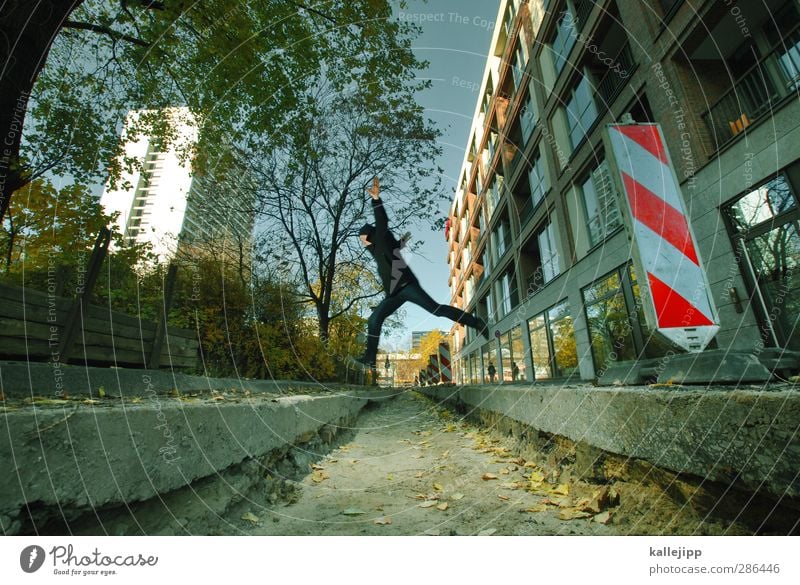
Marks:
<point>660,216</point>
<point>647,137</point>
<point>672,309</point>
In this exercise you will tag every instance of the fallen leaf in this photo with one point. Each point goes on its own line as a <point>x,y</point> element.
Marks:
<point>379,508</point>
<point>353,512</point>
<point>537,508</point>
<point>421,497</point>
<point>457,496</point>
<point>438,487</point>
<point>503,497</point>
<point>445,454</point>
<point>450,428</point>
<point>419,474</point>
<point>536,477</point>
<point>250,517</point>
<point>442,506</point>
<point>571,514</point>
<point>353,461</point>
<point>136,400</point>
<point>603,517</point>
<point>390,477</point>
<point>510,485</point>
<point>428,504</point>
<point>319,476</point>
<point>530,464</point>
<point>90,401</point>
<point>504,471</point>
<point>488,476</point>
<point>418,456</point>
<point>561,489</point>
<point>487,532</point>
<point>519,461</point>
<point>101,392</point>
<point>317,467</point>
<point>383,521</point>
<point>432,532</point>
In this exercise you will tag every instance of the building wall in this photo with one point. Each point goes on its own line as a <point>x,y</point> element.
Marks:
<point>671,79</point>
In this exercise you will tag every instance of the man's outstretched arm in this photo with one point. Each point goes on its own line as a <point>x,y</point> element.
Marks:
<point>381,219</point>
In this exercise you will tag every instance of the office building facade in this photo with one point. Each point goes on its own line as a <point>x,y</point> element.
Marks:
<point>538,243</point>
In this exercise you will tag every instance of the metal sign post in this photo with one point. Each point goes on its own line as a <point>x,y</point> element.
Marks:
<point>673,284</point>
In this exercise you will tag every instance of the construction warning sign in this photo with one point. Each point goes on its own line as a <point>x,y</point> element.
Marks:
<point>676,295</point>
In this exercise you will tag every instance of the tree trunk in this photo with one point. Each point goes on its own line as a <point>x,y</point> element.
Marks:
<point>27,31</point>
<point>323,314</point>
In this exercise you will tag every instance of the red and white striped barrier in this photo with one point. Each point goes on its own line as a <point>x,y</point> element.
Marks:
<point>679,303</point>
<point>445,369</point>
<point>433,369</point>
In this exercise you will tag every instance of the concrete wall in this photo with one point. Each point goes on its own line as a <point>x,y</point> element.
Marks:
<point>743,437</point>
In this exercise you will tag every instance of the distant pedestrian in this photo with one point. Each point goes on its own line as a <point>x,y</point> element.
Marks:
<point>514,371</point>
<point>491,371</point>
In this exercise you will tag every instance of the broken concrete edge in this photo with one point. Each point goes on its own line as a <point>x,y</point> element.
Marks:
<point>746,438</point>
<point>83,458</point>
<point>53,380</point>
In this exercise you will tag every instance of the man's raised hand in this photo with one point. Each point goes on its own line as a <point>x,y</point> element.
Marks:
<point>375,190</point>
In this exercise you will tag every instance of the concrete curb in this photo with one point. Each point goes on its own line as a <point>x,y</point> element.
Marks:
<point>25,379</point>
<point>747,438</point>
<point>84,456</point>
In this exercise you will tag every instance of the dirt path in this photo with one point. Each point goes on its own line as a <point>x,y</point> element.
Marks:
<point>411,470</point>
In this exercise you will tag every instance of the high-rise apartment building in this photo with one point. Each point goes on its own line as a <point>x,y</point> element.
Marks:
<point>162,203</point>
<point>539,244</point>
<point>416,338</point>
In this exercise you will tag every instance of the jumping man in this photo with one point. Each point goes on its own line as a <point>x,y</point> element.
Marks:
<point>399,283</point>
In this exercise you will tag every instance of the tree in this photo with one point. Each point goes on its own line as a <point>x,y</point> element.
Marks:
<point>80,65</point>
<point>429,345</point>
<point>312,190</point>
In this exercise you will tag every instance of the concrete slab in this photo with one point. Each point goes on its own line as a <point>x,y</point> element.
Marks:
<point>715,366</point>
<point>79,456</point>
<point>746,436</point>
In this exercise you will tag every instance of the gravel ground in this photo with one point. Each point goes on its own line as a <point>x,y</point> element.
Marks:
<point>414,469</point>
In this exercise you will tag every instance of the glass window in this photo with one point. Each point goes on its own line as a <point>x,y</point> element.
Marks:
<point>767,225</point>
<point>518,67</point>
<point>564,40</point>
<point>489,364</point>
<point>600,204</point>
<point>763,203</point>
<point>528,116</point>
<point>581,111</point>
<point>518,369</point>
<point>553,349</point>
<point>549,252</point>
<point>505,356</point>
<point>540,349</point>
<point>565,350</point>
<point>610,330</point>
<point>537,177</point>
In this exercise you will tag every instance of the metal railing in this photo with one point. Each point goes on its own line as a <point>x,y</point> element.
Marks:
<point>755,93</point>
<point>613,81</point>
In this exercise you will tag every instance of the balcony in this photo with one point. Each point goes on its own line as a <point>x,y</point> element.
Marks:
<point>612,82</point>
<point>756,92</point>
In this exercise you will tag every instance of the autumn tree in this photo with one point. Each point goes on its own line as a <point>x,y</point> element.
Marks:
<point>72,69</point>
<point>429,345</point>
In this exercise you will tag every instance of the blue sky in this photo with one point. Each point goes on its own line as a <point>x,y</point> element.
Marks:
<point>455,40</point>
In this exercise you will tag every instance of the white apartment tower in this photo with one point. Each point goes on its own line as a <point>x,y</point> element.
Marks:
<point>161,203</point>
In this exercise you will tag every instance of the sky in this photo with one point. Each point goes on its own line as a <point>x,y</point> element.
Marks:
<point>455,40</point>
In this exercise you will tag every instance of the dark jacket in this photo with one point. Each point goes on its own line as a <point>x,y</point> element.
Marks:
<point>385,248</point>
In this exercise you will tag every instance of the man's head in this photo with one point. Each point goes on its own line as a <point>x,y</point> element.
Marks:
<point>365,234</point>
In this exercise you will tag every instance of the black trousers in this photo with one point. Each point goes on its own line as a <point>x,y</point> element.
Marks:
<point>411,292</point>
